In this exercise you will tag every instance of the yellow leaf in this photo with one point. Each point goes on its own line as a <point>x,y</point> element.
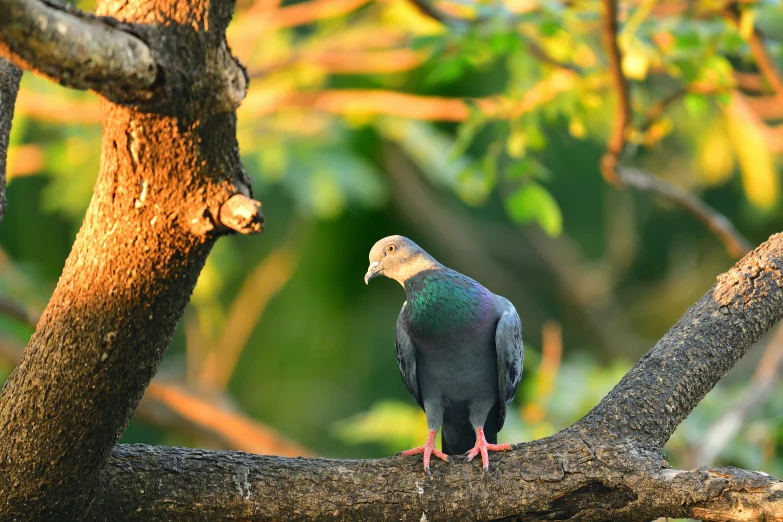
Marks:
<point>577,128</point>
<point>657,131</point>
<point>746,24</point>
<point>402,13</point>
<point>516,144</point>
<point>636,64</point>
<point>714,156</point>
<point>759,177</point>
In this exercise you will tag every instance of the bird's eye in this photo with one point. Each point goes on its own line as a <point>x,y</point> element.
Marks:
<point>391,247</point>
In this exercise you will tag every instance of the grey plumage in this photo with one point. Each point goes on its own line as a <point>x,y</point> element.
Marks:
<point>459,346</point>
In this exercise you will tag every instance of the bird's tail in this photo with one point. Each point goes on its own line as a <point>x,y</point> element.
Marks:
<point>458,435</point>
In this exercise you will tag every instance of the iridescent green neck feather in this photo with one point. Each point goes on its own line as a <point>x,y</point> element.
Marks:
<point>443,302</point>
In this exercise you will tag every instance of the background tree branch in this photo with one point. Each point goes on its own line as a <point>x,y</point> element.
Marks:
<point>171,405</point>
<point>611,162</point>
<point>735,243</point>
<point>622,116</point>
<point>764,61</point>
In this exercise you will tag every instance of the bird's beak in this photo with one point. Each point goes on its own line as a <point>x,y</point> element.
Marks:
<point>372,271</point>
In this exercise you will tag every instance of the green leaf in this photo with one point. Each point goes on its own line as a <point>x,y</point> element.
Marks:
<point>549,27</point>
<point>697,105</point>
<point>532,202</point>
<point>687,41</point>
<point>467,132</point>
<point>395,424</point>
<point>527,168</point>
<point>446,70</point>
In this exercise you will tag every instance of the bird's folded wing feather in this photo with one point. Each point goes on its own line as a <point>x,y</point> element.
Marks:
<point>406,358</point>
<point>508,345</point>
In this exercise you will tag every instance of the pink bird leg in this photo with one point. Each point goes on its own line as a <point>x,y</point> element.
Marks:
<point>482,446</point>
<point>428,449</point>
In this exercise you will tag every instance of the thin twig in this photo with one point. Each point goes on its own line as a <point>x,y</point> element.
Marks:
<point>542,56</point>
<point>735,243</point>
<point>659,108</point>
<point>235,429</point>
<point>268,278</point>
<point>348,62</point>
<point>429,10</point>
<point>58,109</point>
<point>18,312</point>
<point>622,116</point>
<point>764,61</point>
<point>749,82</point>
<point>413,106</point>
<point>548,368</point>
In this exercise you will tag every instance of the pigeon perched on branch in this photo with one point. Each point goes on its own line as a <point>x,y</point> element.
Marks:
<point>459,350</point>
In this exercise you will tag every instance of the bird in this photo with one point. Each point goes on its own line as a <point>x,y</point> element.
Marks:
<point>459,350</point>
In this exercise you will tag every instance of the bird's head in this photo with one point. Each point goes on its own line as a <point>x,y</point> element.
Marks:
<point>398,258</point>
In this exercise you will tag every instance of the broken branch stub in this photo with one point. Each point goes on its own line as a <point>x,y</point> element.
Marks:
<point>242,214</point>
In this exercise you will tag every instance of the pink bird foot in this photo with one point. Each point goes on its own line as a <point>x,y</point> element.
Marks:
<point>428,449</point>
<point>483,447</point>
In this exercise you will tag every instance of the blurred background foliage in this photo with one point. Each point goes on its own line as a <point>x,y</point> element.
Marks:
<point>480,138</point>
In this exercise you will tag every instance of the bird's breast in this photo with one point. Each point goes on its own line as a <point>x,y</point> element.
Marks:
<point>439,324</point>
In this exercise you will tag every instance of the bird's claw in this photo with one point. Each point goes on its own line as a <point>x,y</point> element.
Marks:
<point>483,447</point>
<point>428,450</point>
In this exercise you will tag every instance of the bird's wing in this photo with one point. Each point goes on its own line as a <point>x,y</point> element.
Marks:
<point>508,345</point>
<point>406,359</point>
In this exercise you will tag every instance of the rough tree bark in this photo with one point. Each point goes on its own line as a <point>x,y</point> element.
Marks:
<point>170,184</point>
<point>9,84</point>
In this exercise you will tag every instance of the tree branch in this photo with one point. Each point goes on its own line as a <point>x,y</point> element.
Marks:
<point>9,85</point>
<point>58,109</point>
<point>261,285</point>
<point>426,8</point>
<point>622,116</point>
<point>393,103</point>
<point>666,384</point>
<point>611,167</point>
<point>764,61</point>
<point>724,230</point>
<point>608,466</point>
<point>556,478</point>
<point>77,49</point>
<point>18,312</point>
<point>235,429</point>
<point>172,406</point>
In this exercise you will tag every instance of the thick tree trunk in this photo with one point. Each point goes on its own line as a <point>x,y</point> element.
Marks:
<point>167,168</point>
